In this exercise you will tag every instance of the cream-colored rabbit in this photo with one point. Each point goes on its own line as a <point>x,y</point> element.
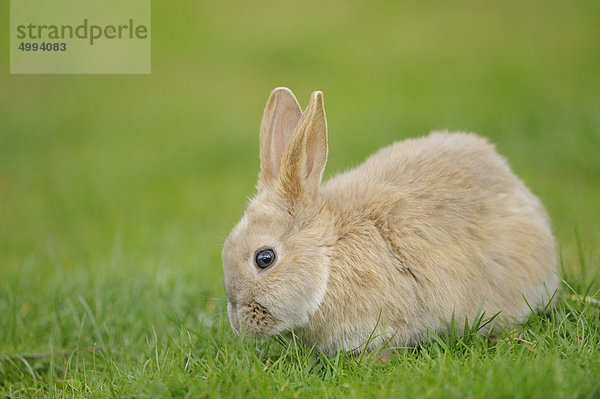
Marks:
<point>423,229</point>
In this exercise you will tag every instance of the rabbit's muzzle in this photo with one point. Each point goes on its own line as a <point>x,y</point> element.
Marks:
<point>256,319</point>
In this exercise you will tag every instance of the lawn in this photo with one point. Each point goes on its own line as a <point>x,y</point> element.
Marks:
<point>116,193</point>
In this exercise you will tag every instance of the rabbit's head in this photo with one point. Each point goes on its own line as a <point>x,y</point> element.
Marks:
<point>276,259</point>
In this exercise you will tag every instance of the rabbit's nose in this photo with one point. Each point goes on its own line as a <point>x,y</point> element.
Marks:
<point>257,318</point>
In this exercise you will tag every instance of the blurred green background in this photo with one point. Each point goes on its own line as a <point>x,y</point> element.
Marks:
<point>118,176</point>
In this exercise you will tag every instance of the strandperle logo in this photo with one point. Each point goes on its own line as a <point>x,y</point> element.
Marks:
<point>84,31</point>
<point>78,37</point>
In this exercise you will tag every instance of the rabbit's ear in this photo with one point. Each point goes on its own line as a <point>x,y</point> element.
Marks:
<point>304,161</point>
<point>280,117</point>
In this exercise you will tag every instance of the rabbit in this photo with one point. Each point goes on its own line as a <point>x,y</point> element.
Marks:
<point>425,231</point>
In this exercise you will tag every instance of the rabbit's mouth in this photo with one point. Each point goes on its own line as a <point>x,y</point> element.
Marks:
<point>257,319</point>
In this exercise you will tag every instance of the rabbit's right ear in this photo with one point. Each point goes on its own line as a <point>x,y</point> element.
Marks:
<point>280,117</point>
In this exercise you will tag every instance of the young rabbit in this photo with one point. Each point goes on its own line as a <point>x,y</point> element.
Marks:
<point>423,230</point>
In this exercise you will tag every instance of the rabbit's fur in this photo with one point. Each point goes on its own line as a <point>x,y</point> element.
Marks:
<point>424,229</point>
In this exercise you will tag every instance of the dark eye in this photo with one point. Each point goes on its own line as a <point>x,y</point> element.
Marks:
<point>264,258</point>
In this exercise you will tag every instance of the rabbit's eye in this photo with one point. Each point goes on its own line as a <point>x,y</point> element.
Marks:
<point>264,258</point>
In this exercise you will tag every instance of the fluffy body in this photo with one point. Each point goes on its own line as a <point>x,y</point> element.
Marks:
<point>424,229</point>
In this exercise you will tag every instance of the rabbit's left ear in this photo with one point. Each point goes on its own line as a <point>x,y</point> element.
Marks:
<point>279,121</point>
<point>304,161</point>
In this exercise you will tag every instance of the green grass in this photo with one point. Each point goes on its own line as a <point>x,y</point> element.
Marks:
<point>116,193</point>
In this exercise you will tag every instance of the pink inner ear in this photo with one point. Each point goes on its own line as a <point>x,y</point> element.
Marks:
<point>283,126</point>
<point>277,135</point>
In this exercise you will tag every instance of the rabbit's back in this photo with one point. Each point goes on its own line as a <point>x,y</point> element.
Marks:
<point>455,221</point>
